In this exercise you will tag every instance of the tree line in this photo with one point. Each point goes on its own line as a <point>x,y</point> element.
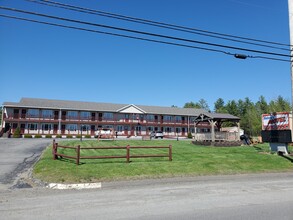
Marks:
<point>248,111</point>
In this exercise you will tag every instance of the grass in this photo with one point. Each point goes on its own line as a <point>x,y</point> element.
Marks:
<point>188,160</point>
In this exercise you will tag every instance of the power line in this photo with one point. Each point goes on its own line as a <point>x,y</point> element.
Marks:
<point>113,34</point>
<point>162,25</point>
<point>133,37</point>
<point>145,33</point>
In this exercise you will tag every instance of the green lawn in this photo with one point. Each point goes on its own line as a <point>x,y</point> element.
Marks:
<point>188,160</point>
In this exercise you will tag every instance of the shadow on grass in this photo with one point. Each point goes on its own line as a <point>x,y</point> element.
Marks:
<point>90,161</point>
<point>286,157</point>
<point>109,161</point>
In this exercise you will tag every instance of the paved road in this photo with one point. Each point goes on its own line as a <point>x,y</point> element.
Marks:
<point>261,197</point>
<point>16,158</point>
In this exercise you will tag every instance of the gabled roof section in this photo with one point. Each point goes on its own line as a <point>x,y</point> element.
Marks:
<point>205,116</point>
<point>131,109</point>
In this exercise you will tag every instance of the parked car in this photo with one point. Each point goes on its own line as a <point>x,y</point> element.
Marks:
<point>104,133</point>
<point>157,134</point>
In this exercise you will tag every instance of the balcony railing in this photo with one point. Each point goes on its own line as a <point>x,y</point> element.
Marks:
<point>96,119</point>
<point>219,136</point>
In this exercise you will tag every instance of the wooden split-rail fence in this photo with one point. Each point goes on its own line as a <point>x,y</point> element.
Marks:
<point>127,156</point>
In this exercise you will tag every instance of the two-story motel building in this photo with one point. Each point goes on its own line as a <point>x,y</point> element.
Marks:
<point>45,116</point>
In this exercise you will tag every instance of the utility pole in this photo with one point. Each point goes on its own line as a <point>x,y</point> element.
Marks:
<point>290,8</point>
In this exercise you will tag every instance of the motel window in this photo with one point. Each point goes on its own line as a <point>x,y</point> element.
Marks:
<point>150,128</point>
<point>178,118</point>
<point>178,130</point>
<point>167,118</point>
<point>120,116</point>
<point>71,127</point>
<point>191,119</point>
<point>33,113</point>
<point>150,117</point>
<point>47,113</point>
<point>108,115</point>
<point>168,129</point>
<point>72,114</point>
<point>46,127</point>
<point>119,128</point>
<point>33,126</point>
<point>85,127</point>
<point>85,115</point>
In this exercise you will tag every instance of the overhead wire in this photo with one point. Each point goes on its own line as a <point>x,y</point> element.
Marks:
<point>110,33</point>
<point>133,37</point>
<point>163,25</point>
<point>145,33</point>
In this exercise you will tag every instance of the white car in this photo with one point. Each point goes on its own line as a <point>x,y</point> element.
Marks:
<point>104,132</point>
<point>157,134</point>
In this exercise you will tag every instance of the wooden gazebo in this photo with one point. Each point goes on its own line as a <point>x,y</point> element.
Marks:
<point>216,120</point>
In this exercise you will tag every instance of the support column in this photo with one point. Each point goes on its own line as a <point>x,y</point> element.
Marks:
<point>59,122</point>
<point>290,7</point>
<point>212,123</point>
<point>238,131</point>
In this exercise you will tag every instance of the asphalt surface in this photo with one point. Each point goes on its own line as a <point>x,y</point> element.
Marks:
<point>259,196</point>
<point>16,159</point>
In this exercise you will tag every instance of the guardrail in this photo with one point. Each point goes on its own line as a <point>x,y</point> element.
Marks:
<point>127,156</point>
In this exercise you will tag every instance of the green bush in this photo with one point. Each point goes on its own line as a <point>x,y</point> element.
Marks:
<point>78,136</point>
<point>69,136</point>
<point>48,136</point>
<point>16,133</point>
<point>38,136</point>
<point>87,136</point>
<point>28,136</point>
<point>189,135</point>
<point>58,136</point>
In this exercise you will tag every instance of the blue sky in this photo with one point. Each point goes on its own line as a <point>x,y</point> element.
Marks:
<point>41,61</point>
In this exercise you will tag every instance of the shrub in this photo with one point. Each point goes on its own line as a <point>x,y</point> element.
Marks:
<point>189,135</point>
<point>48,136</point>
<point>69,136</point>
<point>28,136</point>
<point>38,136</point>
<point>78,136</point>
<point>58,136</point>
<point>88,136</point>
<point>16,133</point>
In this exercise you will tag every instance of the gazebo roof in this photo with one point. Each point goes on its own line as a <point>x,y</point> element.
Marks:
<point>207,116</point>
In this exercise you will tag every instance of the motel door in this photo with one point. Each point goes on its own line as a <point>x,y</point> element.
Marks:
<point>132,131</point>
<point>62,129</point>
<point>126,130</point>
<point>183,132</point>
<point>138,130</point>
<point>55,128</point>
<point>56,115</point>
<point>92,130</point>
<point>16,113</point>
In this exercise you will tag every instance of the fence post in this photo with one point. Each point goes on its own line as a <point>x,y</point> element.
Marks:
<point>127,153</point>
<point>55,153</point>
<point>53,150</point>
<point>170,152</point>
<point>78,155</point>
